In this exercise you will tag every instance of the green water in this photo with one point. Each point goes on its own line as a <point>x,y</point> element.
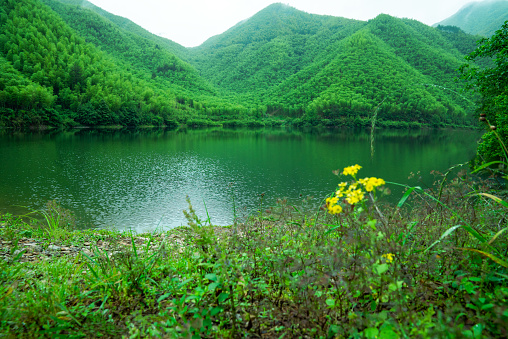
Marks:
<point>138,179</point>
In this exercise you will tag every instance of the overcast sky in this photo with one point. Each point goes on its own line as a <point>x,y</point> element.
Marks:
<point>191,22</point>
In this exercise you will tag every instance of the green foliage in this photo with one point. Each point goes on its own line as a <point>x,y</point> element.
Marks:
<point>492,84</point>
<point>46,64</point>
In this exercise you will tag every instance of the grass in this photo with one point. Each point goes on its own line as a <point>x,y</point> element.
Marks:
<point>372,271</point>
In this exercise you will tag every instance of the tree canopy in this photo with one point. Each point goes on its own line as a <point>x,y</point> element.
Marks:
<point>491,83</point>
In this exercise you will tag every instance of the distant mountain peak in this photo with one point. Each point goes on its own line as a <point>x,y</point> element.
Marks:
<point>479,17</point>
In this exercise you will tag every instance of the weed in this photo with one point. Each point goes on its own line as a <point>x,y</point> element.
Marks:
<point>417,269</point>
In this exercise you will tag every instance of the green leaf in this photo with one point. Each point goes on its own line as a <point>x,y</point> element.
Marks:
<point>164,296</point>
<point>215,311</point>
<point>487,307</point>
<point>333,330</point>
<point>371,333</point>
<point>223,296</point>
<point>213,286</point>
<point>477,330</point>
<point>330,302</point>
<point>332,229</point>
<point>395,286</point>
<point>183,283</point>
<point>211,276</point>
<point>388,332</point>
<point>381,268</point>
<point>406,195</point>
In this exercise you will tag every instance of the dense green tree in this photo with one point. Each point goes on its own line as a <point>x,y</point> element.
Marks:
<point>492,84</point>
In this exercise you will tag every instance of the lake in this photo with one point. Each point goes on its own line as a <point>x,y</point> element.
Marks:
<point>139,179</point>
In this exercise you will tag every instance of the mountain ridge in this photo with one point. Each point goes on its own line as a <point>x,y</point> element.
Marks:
<point>479,17</point>
<point>280,61</point>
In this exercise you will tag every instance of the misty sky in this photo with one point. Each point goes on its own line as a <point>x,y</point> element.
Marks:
<point>191,22</point>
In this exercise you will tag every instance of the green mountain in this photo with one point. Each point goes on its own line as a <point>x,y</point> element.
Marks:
<point>148,56</point>
<point>334,68</point>
<point>482,18</point>
<point>269,47</point>
<point>80,7</point>
<point>68,61</point>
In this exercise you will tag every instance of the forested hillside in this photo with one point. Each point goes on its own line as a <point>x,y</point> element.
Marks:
<point>482,17</point>
<point>70,62</point>
<point>334,68</point>
<point>74,79</point>
<point>128,44</point>
<point>123,24</point>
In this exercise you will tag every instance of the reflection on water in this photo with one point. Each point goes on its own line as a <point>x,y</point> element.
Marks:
<point>138,179</point>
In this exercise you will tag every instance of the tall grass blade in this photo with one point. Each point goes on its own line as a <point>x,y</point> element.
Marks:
<point>445,234</point>
<point>502,275</point>
<point>9,291</point>
<point>496,199</point>
<point>441,186</point>
<point>466,226</point>
<point>406,195</point>
<point>208,219</point>
<point>488,255</point>
<point>63,308</point>
<point>497,235</point>
<point>134,249</point>
<point>474,233</point>
<point>478,169</point>
<point>413,224</point>
<point>373,127</point>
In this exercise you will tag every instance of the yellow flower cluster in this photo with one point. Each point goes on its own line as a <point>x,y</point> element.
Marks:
<point>389,257</point>
<point>351,170</point>
<point>370,183</point>
<point>354,193</point>
<point>333,205</point>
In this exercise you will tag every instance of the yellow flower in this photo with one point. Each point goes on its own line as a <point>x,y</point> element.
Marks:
<point>363,181</point>
<point>389,257</point>
<point>354,196</point>
<point>332,201</point>
<point>356,191</point>
<point>332,205</point>
<point>371,183</point>
<point>335,209</point>
<point>341,192</point>
<point>351,170</point>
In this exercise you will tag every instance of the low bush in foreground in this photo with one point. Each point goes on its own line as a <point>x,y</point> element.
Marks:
<point>434,266</point>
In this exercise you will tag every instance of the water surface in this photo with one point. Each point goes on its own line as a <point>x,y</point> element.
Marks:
<point>139,179</point>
